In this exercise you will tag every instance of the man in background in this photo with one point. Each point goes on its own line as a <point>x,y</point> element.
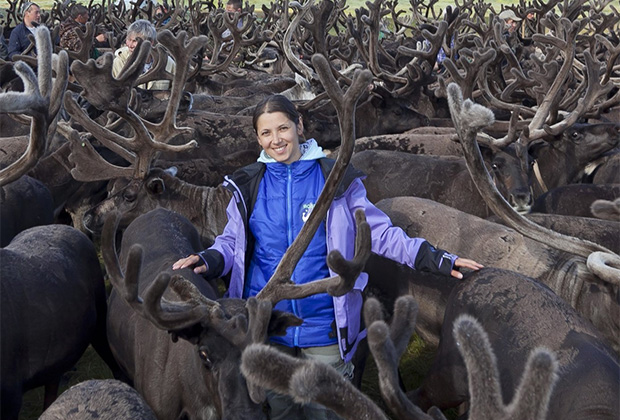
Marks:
<point>19,41</point>
<point>69,39</point>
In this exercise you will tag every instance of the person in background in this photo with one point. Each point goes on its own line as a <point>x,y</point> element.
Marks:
<point>141,29</point>
<point>232,7</point>
<point>511,25</point>
<point>160,12</point>
<point>511,20</point>
<point>19,41</point>
<point>272,199</point>
<point>528,26</point>
<point>69,39</point>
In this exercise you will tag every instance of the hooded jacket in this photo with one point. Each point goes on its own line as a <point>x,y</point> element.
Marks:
<point>233,249</point>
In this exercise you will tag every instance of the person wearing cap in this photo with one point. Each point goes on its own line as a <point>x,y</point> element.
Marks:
<point>510,31</point>
<point>19,41</point>
<point>511,20</point>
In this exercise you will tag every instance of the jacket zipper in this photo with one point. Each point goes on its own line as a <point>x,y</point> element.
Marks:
<point>289,226</point>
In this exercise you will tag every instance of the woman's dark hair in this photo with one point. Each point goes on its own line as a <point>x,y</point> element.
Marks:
<point>275,103</point>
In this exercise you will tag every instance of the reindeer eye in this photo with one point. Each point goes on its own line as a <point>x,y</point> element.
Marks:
<point>494,166</point>
<point>129,195</point>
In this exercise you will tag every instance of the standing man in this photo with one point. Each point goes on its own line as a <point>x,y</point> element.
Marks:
<point>18,42</point>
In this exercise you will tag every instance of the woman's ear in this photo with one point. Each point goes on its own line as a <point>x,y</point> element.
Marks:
<point>300,127</point>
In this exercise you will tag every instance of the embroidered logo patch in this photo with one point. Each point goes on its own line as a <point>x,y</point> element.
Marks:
<point>306,209</point>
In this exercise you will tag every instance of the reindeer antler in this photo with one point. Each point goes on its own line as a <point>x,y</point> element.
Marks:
<point>41,100</point>
<point>306,380</point>
<point>345,105</point>
<point>106,92</point>
<point>531,399</point>
<point>468,119</point>
<point>291,57</point>
<point>387,344</point>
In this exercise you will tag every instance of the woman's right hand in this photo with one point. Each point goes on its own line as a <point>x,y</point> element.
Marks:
<point>190,261</point>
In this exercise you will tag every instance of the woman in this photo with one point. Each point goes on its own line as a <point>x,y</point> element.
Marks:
<point>279,192</point>
<point>144,30</point>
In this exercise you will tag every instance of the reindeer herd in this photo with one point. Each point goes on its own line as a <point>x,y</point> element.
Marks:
<point>506,151</point>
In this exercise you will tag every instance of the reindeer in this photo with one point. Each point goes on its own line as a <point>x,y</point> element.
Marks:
<point>96,398</point>
<point>519,315</point>
<point>468,119</point>
<point>46,270</point>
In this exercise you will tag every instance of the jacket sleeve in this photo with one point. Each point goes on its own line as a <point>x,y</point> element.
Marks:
<point>392,242</point>
<point>219,257</point>
<point>15,41</point>
<point>119,62</point>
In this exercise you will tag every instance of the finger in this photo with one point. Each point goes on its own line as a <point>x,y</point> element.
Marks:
<point>185,262</point>
<point>179,264</point>
<point>467,263</point>
<point>201,269</point>
<point>456,274</point>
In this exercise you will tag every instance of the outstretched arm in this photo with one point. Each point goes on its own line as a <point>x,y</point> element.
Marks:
<point>392,242</point>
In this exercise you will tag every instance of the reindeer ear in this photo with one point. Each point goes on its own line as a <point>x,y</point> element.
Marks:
<point>280,321</point>
<point>156,186</point>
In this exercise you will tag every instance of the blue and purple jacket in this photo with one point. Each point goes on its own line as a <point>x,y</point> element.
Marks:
<point>233,249</point>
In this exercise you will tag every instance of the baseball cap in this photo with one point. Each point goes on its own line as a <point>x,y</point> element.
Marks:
<point>509,14</point>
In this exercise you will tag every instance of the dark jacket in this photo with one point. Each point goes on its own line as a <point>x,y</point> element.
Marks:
<point>18,42</point>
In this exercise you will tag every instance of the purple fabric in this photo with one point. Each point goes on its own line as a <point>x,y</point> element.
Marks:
<point>387,240</point>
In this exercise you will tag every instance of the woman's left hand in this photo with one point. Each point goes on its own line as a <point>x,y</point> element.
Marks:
<point>464,263</point>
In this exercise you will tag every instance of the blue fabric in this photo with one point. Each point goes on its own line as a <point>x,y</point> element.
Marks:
<point>18,41</point>
<point>228,253</point>
<point>286,196</point>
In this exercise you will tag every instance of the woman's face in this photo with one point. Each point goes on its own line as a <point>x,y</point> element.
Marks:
<point>132,41</point>
<point>279,136</point>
